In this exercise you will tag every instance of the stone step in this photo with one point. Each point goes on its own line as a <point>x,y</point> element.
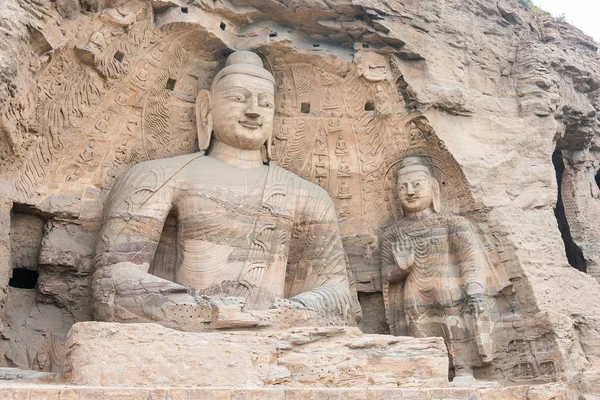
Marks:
<point>57,392</point>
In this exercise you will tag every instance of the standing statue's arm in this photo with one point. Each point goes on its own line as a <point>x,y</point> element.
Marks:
<point>468,255</point>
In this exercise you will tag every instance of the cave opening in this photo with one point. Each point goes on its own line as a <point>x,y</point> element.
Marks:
<point>572,250</point>
<point>597,178</point>
<point>23,278</point>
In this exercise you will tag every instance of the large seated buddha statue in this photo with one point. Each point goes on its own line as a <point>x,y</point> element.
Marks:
<point>251,236</point>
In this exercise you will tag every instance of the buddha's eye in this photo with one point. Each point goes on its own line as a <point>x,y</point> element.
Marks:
<point>265,101</point>
<point>417,184</point>
<point>240,97</point>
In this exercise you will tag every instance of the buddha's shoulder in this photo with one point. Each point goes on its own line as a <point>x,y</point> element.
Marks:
<point>165,164</point>
<point>453,223</point>
<point>445,221</point>
<point>302,186</point>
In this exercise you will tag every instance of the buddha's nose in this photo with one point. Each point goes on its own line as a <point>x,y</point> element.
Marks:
<point>252,109</point>
<point>410,189</point>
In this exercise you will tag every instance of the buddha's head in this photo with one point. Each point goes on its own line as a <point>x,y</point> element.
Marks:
<point>240,107</point>
<point>417,189</point>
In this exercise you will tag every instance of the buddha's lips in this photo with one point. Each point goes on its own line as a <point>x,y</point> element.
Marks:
<point>250,124</point>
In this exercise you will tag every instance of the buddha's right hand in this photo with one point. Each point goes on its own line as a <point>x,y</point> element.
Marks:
<point>403,255</point>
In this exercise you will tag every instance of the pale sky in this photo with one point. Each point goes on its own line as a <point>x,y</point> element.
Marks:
<point>581,13</point>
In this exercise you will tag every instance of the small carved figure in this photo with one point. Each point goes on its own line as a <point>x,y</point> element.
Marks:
<point>334,125</point>
<point>330,100</point>
<point>433,272</point>
<point>286,104</point>
<point>87,154</point>
<point>121,152</point>
<point>278,64</point>
<point>143,74</point>
<point>344,212</point>
<point>122,97</point>
<point>415,134</point>
<point>343,169</point>
<point>321,143</point>
<point>274,151</point>
<point>341,147</point>
<point>74,173</point>
<point>321,173</point>
<point>383,104</point>
<point>344,191</point>
<point>157,54</point>
<point>284,131</point>
<point>326,79</point>
<point>320,162</point>
<point>372,66</point>
<point>102,124</point>
<point>133,125</point>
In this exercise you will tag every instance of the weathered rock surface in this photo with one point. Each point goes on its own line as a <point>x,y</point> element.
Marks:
<point>126,355</point>
<point>500,91</point>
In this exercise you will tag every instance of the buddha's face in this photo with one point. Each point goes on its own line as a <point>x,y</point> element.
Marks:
<point>243,110</point>
<point>415,191</point>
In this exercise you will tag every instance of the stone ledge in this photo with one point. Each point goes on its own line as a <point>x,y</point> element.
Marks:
<point>55,392</point>
<point>142,355</point>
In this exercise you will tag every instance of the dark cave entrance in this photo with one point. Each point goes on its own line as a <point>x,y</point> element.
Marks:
<point>574,253</point>
<point>23,278</point>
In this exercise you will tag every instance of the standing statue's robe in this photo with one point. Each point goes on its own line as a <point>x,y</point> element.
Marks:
<point>431,299</point>
<point>280,240</point>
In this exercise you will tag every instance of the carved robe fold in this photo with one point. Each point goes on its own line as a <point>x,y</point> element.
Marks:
<point>448,257</point>
<point>278,238</point>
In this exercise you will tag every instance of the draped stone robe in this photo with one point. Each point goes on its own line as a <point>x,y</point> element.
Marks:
<point>278,240</point>
<point>447,259</point>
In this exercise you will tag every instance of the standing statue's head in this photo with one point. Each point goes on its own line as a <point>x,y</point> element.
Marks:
<point>240,107</point>
<point>418,190</point>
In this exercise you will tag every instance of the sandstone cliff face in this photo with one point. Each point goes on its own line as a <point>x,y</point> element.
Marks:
<point>507,99</point>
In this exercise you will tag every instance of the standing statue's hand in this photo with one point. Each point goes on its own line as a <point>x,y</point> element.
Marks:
<point>476,296</point>
<point>403,254</point>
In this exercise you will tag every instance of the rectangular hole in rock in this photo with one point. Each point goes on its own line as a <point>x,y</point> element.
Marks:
<point>316,45</point>
<point>119,56</point>
<point>369,106</point>
<point>26,233</point>
<point>304,108</point>
<point>184,10</point>
<point>171,84</point>
<point>223,26</point>
<point>23,278</point>
<point>273,34</point>
<point>365,45</point>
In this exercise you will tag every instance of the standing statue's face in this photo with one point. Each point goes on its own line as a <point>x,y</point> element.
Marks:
<point>415,191</point>
<point>243,110</point>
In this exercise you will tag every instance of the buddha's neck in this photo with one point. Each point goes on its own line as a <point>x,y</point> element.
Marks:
<point>420,214</point>
<point>234,156</point>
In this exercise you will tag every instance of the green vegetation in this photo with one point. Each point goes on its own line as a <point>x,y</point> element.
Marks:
<point>530,5</point>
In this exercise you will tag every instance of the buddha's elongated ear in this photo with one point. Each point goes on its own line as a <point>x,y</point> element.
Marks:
<point>435,189</point>
<point>204,121</point>
<point>269,147</point>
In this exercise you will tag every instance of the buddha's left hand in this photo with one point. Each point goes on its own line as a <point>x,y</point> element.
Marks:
<point>287,303</point>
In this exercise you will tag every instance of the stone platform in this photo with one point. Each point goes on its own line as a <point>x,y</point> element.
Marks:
<point>56,392</point>
<point>142,355</point>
